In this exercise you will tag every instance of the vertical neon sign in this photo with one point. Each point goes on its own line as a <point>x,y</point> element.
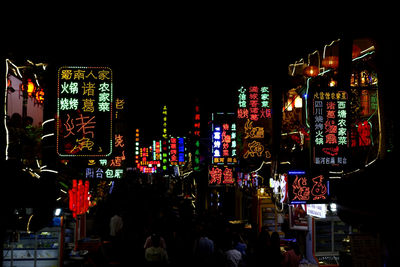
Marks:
<point>84,99</point>
<point>254,122</point>
<point>330,127</point>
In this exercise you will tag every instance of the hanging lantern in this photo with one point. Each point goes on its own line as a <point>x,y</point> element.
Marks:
<point>311,71</point>
<point>29,87</point>
<point>79,197</point>
<point>356,52</point>
<point>331,62</point>
<point>39,95</point>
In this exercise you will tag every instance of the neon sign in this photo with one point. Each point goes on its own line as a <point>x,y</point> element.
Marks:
<point>254,105</point>
<point>254,122</point>
<point>196,133</point>
<point>305,189</point>
<point>164,123</point>
<point>112,168</point>
<point>181,151</point>
<point>224,145</point>
<point>137,147</point>
<point>173,151</point>
<point>84,99</point>
<point>221,175</point>
<point>330,127</point>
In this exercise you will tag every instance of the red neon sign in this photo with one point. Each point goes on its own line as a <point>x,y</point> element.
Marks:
<point>221,175</point>
<point>303,189</point>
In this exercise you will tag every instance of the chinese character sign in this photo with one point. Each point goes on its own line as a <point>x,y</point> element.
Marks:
<point>84,111</point>
<point>164,123</point>
<point>254,103</point>
<point>224,139</point>
<point>221,175</point>
<point>181,150</point>
<point>173,151</point>
<point>329,126</point>
<point>254,122</point>
<point>196,138</point>
<point>112,168</point>
<point>307,189</point>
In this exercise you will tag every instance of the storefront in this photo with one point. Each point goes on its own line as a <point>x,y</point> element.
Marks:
<point>332,127</point>
<point>42,248</point>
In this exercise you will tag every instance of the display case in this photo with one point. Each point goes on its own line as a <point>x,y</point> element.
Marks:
<point>326,241</point>
<point>39,249</point>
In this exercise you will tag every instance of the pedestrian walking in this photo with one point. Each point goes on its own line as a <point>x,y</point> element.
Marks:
<point>116,225</point>
<point>203,249</point>
<point>155,255</point>
<point>233,257</point>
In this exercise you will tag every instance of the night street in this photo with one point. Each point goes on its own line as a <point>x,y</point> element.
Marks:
<point>128,143</point>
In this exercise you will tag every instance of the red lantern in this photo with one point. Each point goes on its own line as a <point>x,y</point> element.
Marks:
<point>29,87</point>
<point>331,62</point>
<point>79,197</point>
<point>39,95</point>
<point>311,71</point>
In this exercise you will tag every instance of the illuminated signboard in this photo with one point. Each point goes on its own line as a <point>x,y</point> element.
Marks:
<point>223,143</point>
<point>330,127</point>
<point>164,122</point>
<point>247,179</point>
<point>164,142</point>
<point>181,150</point>
<point>221,175</point>
<point>173,151</point>
<point>304,189</point>
<point>84,111</point>
<point>196,133</point>
<point>177,151</point>
<point>137,147</point>
<point>147,162</point>
<point>157,155</point>
<point>254,103</point>
<point>196,127</point>
<point>112,168</point>
<point>254,122</point>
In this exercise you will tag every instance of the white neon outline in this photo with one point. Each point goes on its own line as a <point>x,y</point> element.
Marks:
<point>47,121</point>
<point>47,135</point>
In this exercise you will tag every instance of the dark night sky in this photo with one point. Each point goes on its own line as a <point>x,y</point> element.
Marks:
<point>175,58</point>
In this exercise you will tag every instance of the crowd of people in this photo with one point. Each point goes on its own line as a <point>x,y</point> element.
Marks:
<point>155,229</point>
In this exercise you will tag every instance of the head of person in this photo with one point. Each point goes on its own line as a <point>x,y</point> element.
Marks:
<point>295,247</point>
<point>155,240</point>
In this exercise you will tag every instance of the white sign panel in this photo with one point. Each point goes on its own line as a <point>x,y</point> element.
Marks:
<point>316,210</point>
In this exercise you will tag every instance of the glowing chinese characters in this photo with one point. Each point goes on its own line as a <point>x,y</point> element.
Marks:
<point>305,189</point>
<point>254,123</point>
<point>224,139</point>
<point>84,111</point>
<point>330,127</point>
<point>220,175</point>
<point>254,103</point>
